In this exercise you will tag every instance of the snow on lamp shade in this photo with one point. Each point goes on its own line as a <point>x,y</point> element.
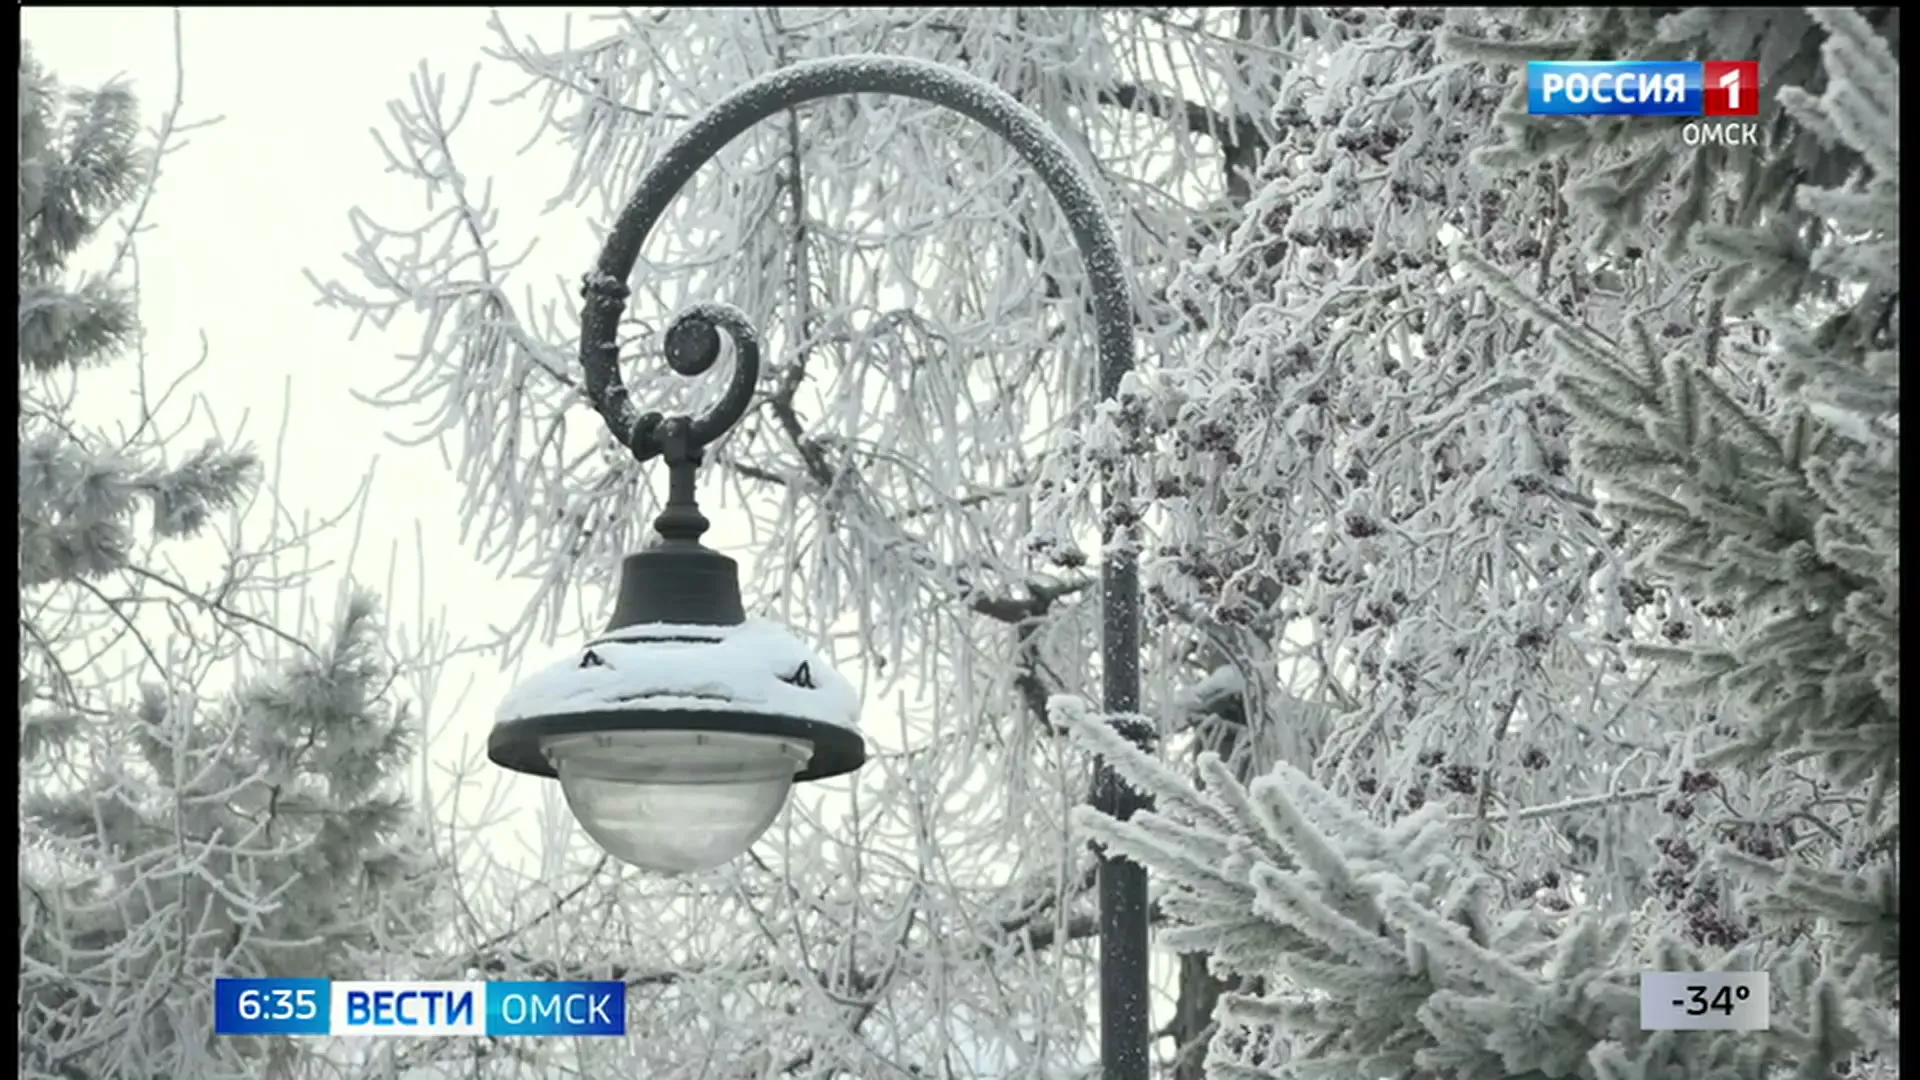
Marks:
<point>677,745</point>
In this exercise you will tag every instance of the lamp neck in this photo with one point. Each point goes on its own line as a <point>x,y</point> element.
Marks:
<point>679,580</point>
<point>680,521</point>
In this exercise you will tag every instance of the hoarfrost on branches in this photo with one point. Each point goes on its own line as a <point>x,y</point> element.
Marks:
<point>1362,490</point>
<point>208,784</point>
<point>1717,347</point>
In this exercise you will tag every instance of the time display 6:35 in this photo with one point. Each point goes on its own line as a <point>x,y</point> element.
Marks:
<point>279,1004</point>
<point>271,1006</point>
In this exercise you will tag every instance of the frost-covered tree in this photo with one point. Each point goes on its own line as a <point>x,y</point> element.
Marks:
<point>203,793</point>
<point>1361,485</point>
<point>929,341</point>
<point>1360,492</point>
<point>1741,452</point>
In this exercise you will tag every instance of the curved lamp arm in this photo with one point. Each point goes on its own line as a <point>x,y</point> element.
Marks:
<point>692,341</point>
<point>693,344</point>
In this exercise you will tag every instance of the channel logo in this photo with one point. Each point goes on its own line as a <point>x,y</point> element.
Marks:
<point>326,1007</point>
<point>408,1008</point>
<point>1643,88</point>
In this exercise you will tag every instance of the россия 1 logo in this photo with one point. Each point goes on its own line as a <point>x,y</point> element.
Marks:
<point>1712,88</point>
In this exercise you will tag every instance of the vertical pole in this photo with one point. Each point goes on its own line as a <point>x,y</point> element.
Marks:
<point>1125,990</point>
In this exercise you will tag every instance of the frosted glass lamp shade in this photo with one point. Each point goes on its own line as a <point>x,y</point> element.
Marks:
<point>676,801</point>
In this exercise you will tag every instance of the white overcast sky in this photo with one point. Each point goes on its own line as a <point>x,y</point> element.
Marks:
<point>264,193</point>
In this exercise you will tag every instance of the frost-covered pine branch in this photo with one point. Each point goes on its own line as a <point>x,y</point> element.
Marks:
<point>1383,953</point>
<point>1764,482</point>
<point>208,787</point>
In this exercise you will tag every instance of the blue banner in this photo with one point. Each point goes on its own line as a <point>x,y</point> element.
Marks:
<point>404,1008</point>
<point>1616,88</point>
<point>271,1007</point>
<point>556,1008</point>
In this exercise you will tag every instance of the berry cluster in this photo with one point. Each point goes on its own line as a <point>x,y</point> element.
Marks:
<point>1684,886</point>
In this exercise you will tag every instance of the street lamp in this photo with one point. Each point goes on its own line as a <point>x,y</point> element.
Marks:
<point>678,732</point>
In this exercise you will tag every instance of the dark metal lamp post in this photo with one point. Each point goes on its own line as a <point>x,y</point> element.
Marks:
<point>678,733</point>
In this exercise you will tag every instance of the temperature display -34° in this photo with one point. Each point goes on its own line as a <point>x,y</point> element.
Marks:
<point>1704,1001</point>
